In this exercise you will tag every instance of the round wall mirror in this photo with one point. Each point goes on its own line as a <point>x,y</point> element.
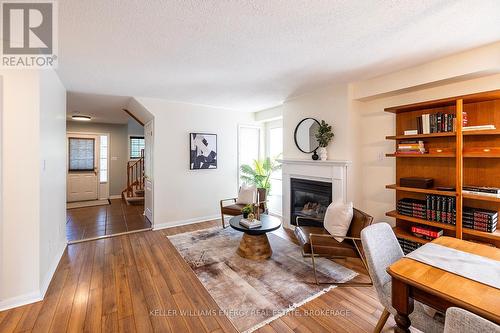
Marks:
<point>305,132</point>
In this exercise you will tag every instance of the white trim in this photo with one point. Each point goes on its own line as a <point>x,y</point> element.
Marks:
<point>318,162</point>
<point>115,196</point>
<point>172,224</point>
<point>52,269</point>
<point>20,300</point>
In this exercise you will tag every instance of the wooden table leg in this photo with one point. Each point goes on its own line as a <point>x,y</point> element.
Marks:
<point>255,247</point>
<point>403,304</point>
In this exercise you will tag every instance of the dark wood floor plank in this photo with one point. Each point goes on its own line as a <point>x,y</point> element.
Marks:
<point>27,321</point>
<point>94,311</point>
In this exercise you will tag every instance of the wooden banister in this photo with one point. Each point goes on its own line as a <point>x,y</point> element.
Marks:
<point>135,175</point>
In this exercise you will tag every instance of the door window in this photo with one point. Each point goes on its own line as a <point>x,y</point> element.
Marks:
<point>81,154</point>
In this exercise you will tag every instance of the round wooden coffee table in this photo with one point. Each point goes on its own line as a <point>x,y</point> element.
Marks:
<point>254,244</point>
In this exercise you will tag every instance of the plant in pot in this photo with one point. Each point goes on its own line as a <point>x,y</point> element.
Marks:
<point>259,174</point>
<point>324,136</point>
<point>246,210</point>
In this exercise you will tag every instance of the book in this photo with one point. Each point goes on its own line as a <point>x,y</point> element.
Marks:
<point>427,232</point>
<point>250,224</point>
<point>479,128</point>
<point>482,189</point>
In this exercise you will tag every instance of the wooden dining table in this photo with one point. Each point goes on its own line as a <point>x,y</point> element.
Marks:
<point>415,281</point>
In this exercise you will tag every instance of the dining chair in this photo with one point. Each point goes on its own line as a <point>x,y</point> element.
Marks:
<point>462,321</point>
<point>382,249</point>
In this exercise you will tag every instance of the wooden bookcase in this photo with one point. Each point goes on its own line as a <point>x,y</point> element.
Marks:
<point>463,158</point>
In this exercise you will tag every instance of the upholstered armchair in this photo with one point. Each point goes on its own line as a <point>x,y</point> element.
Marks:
<point>231,208</point>
<point>318,242</point>
<point>462,321</point>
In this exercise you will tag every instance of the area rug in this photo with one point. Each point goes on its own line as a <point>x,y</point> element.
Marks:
<point>90,203</point>
<point>253,293</point>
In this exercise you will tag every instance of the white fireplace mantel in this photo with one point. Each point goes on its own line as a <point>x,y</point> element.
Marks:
<point>336,172</point>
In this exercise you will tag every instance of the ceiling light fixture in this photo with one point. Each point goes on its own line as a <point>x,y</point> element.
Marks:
<point>81,118</point>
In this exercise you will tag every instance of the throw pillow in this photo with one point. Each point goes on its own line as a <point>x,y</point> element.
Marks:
<point>246,195</point>
<point>338,219</point>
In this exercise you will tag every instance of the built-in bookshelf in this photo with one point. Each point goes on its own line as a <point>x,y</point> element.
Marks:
<point>453,159</point>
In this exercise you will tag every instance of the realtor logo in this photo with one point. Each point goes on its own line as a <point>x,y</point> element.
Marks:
<point>29,34</point>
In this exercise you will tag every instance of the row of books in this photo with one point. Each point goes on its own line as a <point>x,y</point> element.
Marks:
<point>442,209</point>
<point>480,219</point>
<point>436,123</point>
<point>436,208</point>
<point>407,245</point>
<point>411,147</point>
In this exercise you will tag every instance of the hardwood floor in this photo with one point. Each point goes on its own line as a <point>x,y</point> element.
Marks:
<point>91,222</point>
<point>138,282</point>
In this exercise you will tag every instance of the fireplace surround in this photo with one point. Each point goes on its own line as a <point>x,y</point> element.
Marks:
<point>336,173</point>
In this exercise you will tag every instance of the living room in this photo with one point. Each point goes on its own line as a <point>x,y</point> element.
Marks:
<point>295,117</point>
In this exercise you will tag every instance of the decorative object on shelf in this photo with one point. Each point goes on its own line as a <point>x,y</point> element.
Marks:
<point>315,156</point>
<point>324,136</point>
<point>259,174</point>
<point>247,210</point>
<point>203,149</point>
<point>251,217</point>
<point>417,182</point>
<point>305,136</point>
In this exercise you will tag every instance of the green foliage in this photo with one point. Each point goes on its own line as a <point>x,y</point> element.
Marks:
<point>247,209</point>
<point>325,134</point>
<point>259,173</point>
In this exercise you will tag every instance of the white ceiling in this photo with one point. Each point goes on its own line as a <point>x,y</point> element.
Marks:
<point>253,54</point>
<point>102,108</point>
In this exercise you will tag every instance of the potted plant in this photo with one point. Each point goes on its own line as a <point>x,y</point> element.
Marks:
<point>259,174</point>
<point>246,210</point>
<point>324,136</point>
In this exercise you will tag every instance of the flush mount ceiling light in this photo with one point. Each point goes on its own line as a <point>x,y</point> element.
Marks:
<point>81,118</point>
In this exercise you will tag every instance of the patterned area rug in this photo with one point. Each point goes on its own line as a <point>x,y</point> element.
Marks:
<point>253,293</point>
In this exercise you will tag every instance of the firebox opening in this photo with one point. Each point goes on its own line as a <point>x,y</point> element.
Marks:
<point>309,199</point>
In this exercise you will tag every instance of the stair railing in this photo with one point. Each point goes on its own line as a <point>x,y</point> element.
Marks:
<point>135,175</point>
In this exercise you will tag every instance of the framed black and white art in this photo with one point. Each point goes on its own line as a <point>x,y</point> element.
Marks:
<point>203,151</point>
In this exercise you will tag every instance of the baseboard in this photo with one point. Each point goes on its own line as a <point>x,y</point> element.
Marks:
<point>44,285</point>
<point>20,300</point>
<point>116,196</point>
<point>172,224</point>
<point>36,295</point>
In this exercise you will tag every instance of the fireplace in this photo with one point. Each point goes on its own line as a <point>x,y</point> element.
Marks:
<point>309,199</point>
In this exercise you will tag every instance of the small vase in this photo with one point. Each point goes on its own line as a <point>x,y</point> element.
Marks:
<point>322,153</point>
<point>245,215</point>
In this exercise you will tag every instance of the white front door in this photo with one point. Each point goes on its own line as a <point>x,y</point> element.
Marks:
<point>148,170</point>
<point>83,168</point>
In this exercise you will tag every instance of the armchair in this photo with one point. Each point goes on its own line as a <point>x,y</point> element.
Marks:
<point>318,242</point>
<point>234,209</point>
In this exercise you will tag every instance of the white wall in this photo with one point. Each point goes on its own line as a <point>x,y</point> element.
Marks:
<point>53,152</point>
<point>332,104</point>
<point>33,115</point>
<point>182,195</point>
<point>20,168</point>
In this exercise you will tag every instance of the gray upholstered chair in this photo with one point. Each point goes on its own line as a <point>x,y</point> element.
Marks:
<point>462,321</point>
<point>382,249</point>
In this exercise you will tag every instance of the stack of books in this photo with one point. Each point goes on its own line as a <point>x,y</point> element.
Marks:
<point>411,147</point>
<point>479,128</point>
<point>482,190</point>
<point>412,207</point>
<point>436,123</point>
<point>251,224</point>
<point>429,233</point>
<point>408,246</point>
<point>440,208</point>
<point>480,219</point>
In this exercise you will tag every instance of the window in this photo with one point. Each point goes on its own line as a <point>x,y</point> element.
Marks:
<point>136,146</point>
<point>81,154</point>
<point>248,145</point>
<point>103,159</point>
<point>275,142</point>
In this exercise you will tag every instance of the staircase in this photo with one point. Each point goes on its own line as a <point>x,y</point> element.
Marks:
<point>133,194</point>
